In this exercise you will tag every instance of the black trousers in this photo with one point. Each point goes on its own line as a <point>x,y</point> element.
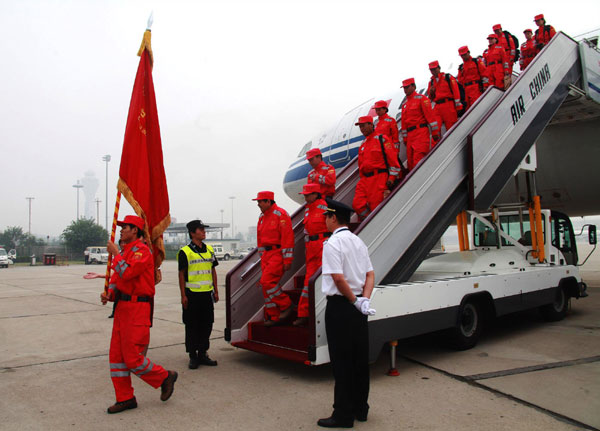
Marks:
<point>348,342</point>
<point>198,319</point>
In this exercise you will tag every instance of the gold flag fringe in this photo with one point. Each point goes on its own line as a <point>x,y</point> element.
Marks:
<point>146,45</point>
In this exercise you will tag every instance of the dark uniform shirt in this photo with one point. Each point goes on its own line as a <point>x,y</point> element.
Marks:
<point>183,262</point>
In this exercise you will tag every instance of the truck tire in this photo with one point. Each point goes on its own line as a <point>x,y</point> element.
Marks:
<point>558,309</point>
<point>226,257</point>
<point>468,328</point>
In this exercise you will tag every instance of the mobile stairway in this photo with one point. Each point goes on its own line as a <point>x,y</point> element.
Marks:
<point>467,169</point>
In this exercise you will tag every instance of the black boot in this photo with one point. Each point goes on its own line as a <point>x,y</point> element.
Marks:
<point>193,361</point>
<point>203,359</point>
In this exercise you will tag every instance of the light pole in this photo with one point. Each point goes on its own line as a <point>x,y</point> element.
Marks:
<point>232,230</point>
<point>78,186</point>
<point>30,199</point>
<point>106,159</point>
<point>222,225</point>
<point>97,211</point>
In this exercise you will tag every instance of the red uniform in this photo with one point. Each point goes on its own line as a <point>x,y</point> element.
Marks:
<point>374,173</point>
<point>446,98</point>
<point>497,65</point>
<point>508,44</point>
<point>324,175</point>
<point>275,240</point>
<point>315,231</point>
<point>528,53</point>
<point>387,126</point>
<point>472,75</point>
<point>543,35</point>
<point>134,280</point>
<point>417,119</point>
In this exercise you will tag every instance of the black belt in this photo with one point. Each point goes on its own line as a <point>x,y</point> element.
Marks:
<point>493,62</point>
<point>376,171</point>
<point>270,247</point>
<point>318,236</point>
<point>338,297</point>
<point>411,128</point>
<point>444,100</point>
<point>471,83</point>
<point>125,297</point>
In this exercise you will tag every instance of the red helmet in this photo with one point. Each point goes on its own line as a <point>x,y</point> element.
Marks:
<point>497,27</point>
<point>380,104</point>
<point>363,120</point>
<point>134,220</point>
<point>312,153</point>
<point>407,82</point>
<point>540,16</point>
<point>265,195</point>
<point>434,64</point>
<point>307,189</point>
<point>463,50</point>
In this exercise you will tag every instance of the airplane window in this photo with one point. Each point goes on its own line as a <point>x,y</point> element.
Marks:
<point>304,149</point>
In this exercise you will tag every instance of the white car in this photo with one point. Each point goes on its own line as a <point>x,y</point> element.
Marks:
<point>96,255</point>
<point>4,261</point>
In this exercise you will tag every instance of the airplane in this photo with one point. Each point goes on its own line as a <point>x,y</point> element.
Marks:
<point>567,176</point>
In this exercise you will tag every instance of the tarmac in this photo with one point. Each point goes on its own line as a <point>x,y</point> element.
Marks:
<point>525,374</point>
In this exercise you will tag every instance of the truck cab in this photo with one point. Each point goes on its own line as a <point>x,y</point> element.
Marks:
<point>96,254</point>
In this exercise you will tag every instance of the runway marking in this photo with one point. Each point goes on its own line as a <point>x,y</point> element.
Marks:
<point>555,415</point>
<point>532,368</point>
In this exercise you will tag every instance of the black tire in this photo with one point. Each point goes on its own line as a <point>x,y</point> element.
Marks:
<point>559,307</point>
<point>468,328</point>
<point>226,257</point>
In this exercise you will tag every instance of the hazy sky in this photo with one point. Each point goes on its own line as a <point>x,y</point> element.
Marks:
<point>240,88</point>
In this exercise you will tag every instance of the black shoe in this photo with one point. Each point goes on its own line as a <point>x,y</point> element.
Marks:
<point>122,406</point>
<point>332,422</point>
<point>193,363</point>
<point>361,417</point>
<point>111,316</point>
<point>168,385</point>
<point>205,360</point>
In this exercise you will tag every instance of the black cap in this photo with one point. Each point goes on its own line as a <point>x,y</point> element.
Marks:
<point>337,207</point>
<point>195,224</point>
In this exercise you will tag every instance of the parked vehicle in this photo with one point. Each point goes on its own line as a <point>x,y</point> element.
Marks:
<point>96,254</point>
<point>220,252</point>
<point>4,261</point>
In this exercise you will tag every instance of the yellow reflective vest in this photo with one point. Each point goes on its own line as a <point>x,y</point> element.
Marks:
<point>199,269</point>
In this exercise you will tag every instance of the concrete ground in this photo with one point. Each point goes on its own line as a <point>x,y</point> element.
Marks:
<point>525,374</point>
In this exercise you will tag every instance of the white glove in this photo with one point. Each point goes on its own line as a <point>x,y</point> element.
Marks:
<point>363,305</point>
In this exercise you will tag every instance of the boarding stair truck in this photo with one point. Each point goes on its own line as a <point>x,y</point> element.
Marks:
<point>465,171</point>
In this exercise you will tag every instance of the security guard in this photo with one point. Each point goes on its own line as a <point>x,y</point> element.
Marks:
<point>321,173</point>
<point>198,286</point>
<point>133,283</point>
<point>378,168</point>
<point>348,280</point>
<point>275,240</point>
<point>315,234</point>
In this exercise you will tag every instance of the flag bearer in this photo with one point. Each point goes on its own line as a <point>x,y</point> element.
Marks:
<point>199,291</point>
<point>321,173</point>
<point>275,240</point>
<point>134,276</point>
<point>315,233</point>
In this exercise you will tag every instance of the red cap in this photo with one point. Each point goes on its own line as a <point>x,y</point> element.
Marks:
<point>380,104</point>
<point>310,188</point>
<point>540,16</point>
<point>265,195</point>
<point>312,153</point>
<point>134,220</point>
<point>497,27</point>
<point>463,50</point>
<point>493,36</point>
<point>407,82</point>
<point>363,120</point>
<point>527,30</point>
<point>434,64</point>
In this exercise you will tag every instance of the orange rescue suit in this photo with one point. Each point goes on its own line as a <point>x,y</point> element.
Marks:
<point>417,119</point>
<point>134,280</point>
<point>275,240</point>
<point>509,48</point>
<point>324,175</point>
<point>387,126</point>
<point>315,233</point>
<point>543,34</point>
<point>374,174</point>
<point>528,53</point>
<point>446,98</point>
<point>497,65</point>
<point>472,75</point>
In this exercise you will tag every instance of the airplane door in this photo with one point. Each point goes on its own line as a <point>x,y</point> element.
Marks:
<point>341,138</point>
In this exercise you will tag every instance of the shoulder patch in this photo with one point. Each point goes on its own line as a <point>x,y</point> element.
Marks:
<point>389,120</point>
<point>276,212</point>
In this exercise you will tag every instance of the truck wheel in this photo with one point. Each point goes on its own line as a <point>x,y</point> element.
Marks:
<point>226,257</point>
<point>558,309</point>
<point>468,329</point>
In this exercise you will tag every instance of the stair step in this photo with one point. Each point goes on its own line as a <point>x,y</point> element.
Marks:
<point>289,337</point>
<point>278,352</point>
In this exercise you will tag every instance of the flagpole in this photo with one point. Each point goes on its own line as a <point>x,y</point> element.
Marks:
<point>112,239</point>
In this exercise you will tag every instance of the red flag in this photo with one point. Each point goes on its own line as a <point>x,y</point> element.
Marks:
<point>142,175</point>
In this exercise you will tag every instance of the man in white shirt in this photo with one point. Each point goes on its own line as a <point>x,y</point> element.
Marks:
<point>348,280</point>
